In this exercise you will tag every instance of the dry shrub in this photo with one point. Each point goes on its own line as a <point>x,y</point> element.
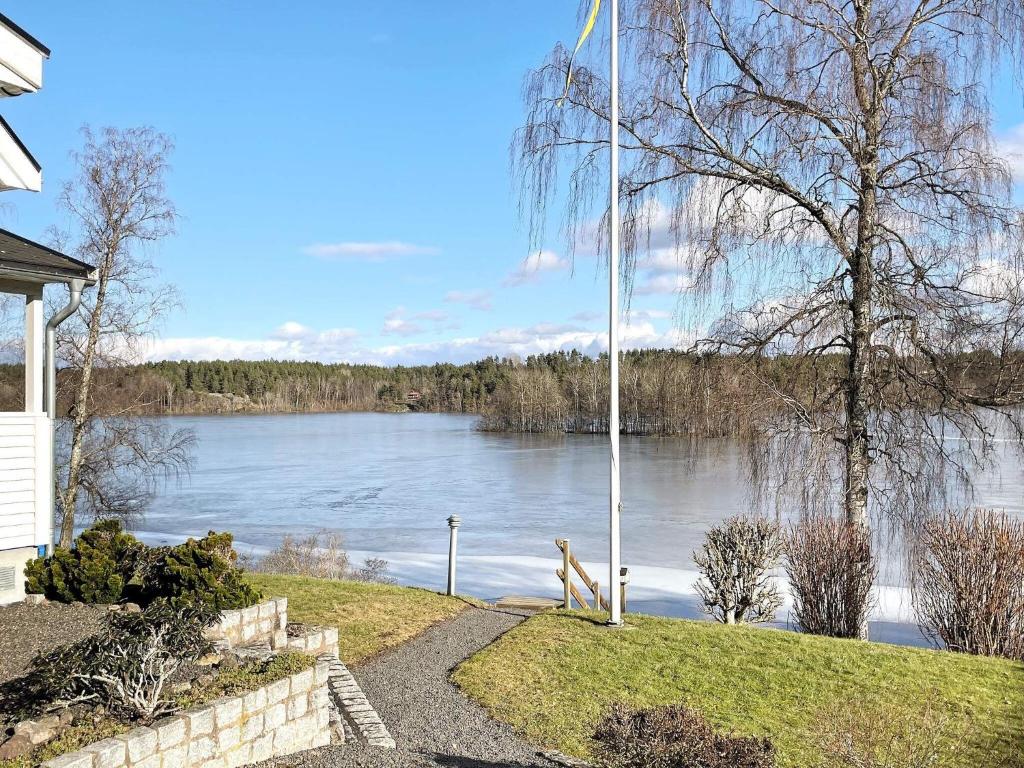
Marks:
<point>735,563</point>
<point>831,568</point>
<point>860,736</point>
<point>969,582</point>
<point>321,555</point>
<point>674,736</point>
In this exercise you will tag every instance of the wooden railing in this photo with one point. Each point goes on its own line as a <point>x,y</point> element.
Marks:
<point>570,591</point>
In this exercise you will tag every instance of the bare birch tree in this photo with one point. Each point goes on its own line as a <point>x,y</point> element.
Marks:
<point>824,173</point>
<point>116,205</point>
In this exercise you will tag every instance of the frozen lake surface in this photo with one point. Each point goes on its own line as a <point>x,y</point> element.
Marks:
<point>388,482</point>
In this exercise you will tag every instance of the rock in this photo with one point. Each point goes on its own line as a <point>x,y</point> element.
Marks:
<point>131,608</point>
<point>228,662</point>
<point>38,731</point>
<point>35,599</point>
<point>16,746</point>
<point>66,717</point>
<point>182,687</point>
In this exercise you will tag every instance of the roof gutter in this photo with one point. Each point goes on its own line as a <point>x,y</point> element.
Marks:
<point>75,286</point>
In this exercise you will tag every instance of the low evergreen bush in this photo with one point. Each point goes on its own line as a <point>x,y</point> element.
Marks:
<point>107,565</point>
<point>200,571</point>
<point>99,568</point>
<point>674,736</point>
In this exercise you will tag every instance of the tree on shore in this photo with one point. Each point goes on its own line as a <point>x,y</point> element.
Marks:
<point>824,176</point>
<point>116,204</point>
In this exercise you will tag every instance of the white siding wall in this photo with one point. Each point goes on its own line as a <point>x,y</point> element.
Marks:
<point>25,485</point>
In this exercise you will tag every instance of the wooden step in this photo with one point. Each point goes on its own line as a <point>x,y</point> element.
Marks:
<point>524,603</point>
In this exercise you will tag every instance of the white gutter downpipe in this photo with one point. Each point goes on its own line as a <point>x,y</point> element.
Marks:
<point>50,384</point>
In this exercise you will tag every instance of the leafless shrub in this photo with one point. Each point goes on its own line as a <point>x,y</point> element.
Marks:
<point>674,736</point>
<point>859,736</point>
<point>321,555</point>
<point>831,568</point>
<point>969,582</point>
<point>735,564</point>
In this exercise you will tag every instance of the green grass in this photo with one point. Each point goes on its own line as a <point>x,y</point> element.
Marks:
<point>553,676</point>
<point>370,618</point>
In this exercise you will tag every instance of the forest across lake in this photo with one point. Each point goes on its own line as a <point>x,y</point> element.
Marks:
<point>663,391</point>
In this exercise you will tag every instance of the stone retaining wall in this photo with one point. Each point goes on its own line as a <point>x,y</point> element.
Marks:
<point>315,641</point>
<point>287,716</point>
<point>257,623</point>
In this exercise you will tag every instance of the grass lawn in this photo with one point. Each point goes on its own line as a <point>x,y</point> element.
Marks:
<point>554,675</point>
<point>370,617</point>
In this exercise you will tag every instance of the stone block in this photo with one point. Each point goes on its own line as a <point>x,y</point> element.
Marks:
<point>74,760</point>
<point>282,620</point>
<point>262,748</point>
<point>297,706</point>
<point>303,681</point>
<point>175,757</point>
<point>282,605</point>
<point>279,639</point>
<point>200,721</point>
<point>228,737</point>
<point>250,614</point>
<point>170,731</point>
<point>252,727</point>
<point>275,716</point>
<point>239,756</point>
<point>153,761</point>
<point>201,749</point>
<point>319,698</point>
<point>109,753</point>
<point>35,599</point>
<point>140,743</point>
<point>278,690</point>
<point>314,640</point>
<point>229,620</point>
<point>227,711</point>
<point>255,701</point>
<point>322,672</point>
<point>248,632</point>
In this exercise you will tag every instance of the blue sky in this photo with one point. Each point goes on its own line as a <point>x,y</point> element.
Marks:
<point>341,169</point>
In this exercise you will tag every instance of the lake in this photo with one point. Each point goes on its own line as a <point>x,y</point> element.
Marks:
<point>388,482</point>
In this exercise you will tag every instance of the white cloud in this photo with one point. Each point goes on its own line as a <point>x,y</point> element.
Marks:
<point>291,330</point>
<point>648,314</point>
<point>342,345</point>
<point>1010,145</point>
<point>662,284</point>
<point>369,251</point>
<point>531,268</point>
<point>399,322</point>
<point>333,345</point>
<point>481,300</point>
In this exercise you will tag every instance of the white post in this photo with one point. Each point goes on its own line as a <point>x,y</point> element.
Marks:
<point>453,542</point>
<point>614,496</point>
<point>34,352</point>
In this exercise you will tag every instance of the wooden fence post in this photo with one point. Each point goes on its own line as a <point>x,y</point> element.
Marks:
<point>565,574</point>
<point>597,595</point>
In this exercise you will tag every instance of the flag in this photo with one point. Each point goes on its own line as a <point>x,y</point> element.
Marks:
<point>587,29</point>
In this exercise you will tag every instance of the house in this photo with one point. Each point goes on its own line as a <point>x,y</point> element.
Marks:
<point>26,267</point>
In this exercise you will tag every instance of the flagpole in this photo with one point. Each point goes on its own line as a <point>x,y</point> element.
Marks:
<point>614,492</point>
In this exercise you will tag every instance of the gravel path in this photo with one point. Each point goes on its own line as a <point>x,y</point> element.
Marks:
<point>28,629</point>
<point>433,724</point>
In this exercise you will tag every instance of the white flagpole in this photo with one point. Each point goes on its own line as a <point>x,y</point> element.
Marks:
<point>614,495</point>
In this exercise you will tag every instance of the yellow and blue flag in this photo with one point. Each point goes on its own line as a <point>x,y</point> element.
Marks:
<point>587,29</point>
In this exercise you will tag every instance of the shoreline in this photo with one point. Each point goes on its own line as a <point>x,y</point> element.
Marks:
<point>653,590</point>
